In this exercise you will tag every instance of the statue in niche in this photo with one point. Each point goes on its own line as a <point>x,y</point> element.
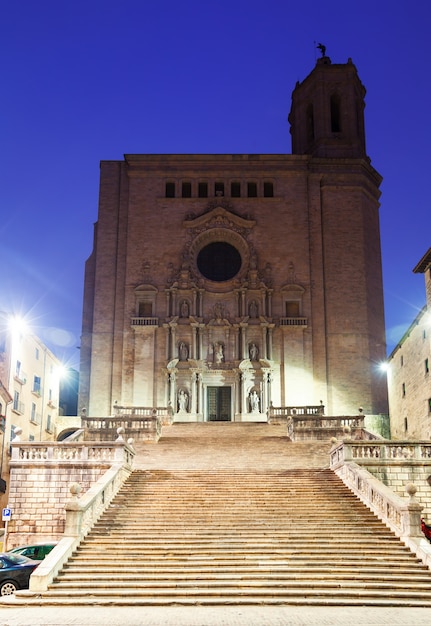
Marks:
<point>184,309</point>
<point>218,353</point>
<point>183,351</point>
<point>253,351</point>
<point>252,309</point>
<point>218,311</point>
<point>254,402</point>
<point>183,400</point>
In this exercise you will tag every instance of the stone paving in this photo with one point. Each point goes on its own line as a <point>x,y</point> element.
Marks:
<point>214,616</point>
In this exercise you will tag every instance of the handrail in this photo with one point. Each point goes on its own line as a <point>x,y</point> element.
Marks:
<point>402,516</point>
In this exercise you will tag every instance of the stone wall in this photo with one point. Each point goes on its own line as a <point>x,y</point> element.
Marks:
<point>40,478</point>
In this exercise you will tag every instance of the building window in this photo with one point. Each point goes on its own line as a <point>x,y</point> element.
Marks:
<point>186,190</point>
<point>145,309</point>
<point>16,400</point>
<point>310,123</point>
<point>268,189</point>
<point>33,413</point>
<point>31,437</point>
<point>292,308</point>
<point>235,189</point>
<point>203,190</point>
<point>219,189</point>
<point>335,114</point>
<point>36,385</point>
<point>429,405</point>
<point>406,425</point>
<point>403,388</point>
<point>36,354</point>
<point>427,368</point>
<point>402,360</point>
<point>252,190</point>
<point>49,424</point>
<point>18,369</point>
<point>424,334</point>
<point>170,190</point>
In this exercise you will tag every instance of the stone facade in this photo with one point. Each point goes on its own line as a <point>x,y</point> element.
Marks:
<point>219,284</point>
<point>409,377</point>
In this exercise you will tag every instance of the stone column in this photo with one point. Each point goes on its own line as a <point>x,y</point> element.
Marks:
<point>173,341</point>
<point>168,299</point>
<point>243,342</point>
<point>270,331</point>
<point>264,344</point>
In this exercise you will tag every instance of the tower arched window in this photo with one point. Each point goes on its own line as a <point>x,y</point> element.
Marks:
<point>335,114</point>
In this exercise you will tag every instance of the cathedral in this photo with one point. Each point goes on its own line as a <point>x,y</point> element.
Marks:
<point>222,284</point>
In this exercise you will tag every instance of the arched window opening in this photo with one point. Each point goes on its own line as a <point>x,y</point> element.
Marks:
<point>268,189</point>
<point>235,189</point>
<point>335,114</point>
<point>186,190</point>
<point>170,190</point>
<point>310,123</point>
<point>252,190</point>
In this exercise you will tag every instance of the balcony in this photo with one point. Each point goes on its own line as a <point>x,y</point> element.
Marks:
<point>293,321</point>
<point>144,321</point>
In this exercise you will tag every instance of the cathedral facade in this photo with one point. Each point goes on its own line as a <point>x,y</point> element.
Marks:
<point>221,284</point>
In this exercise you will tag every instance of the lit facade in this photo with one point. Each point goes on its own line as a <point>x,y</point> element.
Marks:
<point>219,284</point>
<point>30,377</point>
<point>409,377</point>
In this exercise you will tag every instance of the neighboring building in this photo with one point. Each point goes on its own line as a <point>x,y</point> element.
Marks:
<point>222,283</point>
<point>409,378</point>
<point>29,375</point>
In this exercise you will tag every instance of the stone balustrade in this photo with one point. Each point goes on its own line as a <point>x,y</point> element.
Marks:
<point>306,427</point>
<point>140,423</point>
<point>387,501</point>
<point>81,515</point>
<point>67,452</point>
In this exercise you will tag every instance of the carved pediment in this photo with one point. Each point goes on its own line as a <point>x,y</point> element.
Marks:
<point>219,217</point>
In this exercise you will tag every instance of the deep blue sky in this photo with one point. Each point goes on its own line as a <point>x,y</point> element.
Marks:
<point>85,81</point>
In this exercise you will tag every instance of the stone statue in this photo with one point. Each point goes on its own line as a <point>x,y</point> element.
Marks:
<point>183,351</point>
<point>183,400</point>
<point>184,309</point>
<point>254,402</point>
<point>218,353</point>
<point>252,309</point>
<point>253,351</point>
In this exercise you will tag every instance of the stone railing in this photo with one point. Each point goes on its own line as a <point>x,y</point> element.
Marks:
<point>81,515</point>
<point>281,413</point>
<point>309,427</point>
<point>68,452</point>
<point>140,423</point>
<point>381,451</point>
<point>401,514</point>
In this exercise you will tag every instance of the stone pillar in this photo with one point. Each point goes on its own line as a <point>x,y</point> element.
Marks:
<point>243,343</point>
<point>264,343</point>
<point>270,343</point>
<point>269,295</point>
<point>195,311</point>
<point>243,312</point>
<point>174,302</point>
<point>174,354</point>
<point>168,299</point>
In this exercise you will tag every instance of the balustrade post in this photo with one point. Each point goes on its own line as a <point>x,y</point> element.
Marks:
<point>411,515</point>
<point>73,513</point>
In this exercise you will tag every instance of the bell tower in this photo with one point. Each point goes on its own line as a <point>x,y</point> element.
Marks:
<point>327,112</point>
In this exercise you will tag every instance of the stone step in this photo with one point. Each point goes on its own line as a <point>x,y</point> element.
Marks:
<point>197,524</point>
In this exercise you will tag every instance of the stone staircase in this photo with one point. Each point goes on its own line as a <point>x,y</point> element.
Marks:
<point>236,514</point>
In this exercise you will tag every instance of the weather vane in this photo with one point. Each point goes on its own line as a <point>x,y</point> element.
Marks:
<point>322,48</point>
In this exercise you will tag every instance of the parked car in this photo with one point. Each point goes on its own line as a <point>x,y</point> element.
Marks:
<point>36,552</point>
<point>15,571</point>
